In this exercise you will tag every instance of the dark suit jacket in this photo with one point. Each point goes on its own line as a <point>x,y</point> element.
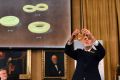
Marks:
<point>51,71</point>
<point>87,62</point>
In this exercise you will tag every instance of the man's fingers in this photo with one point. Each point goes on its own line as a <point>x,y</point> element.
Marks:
<point>76,32</point>
<point>85,31</point>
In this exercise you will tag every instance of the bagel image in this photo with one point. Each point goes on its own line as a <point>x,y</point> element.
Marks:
<point>9,21</point>
<point>41,7</point>
<point>39,27</point>
<point>29,8</point>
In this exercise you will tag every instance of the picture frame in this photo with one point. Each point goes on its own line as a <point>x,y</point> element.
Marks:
<point>28,68</point>
<point>49,69</point>
<point>17,62</point>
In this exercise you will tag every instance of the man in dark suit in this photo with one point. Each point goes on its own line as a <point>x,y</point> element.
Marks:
<point>88,58</point>
<point>54,69</point>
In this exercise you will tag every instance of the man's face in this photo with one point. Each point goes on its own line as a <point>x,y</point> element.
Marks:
<point>54,59</point>
<point>87,41</point>
<point>3,75</point>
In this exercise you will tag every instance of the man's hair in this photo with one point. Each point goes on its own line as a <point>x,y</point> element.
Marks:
<point>54,55</point>
<point>1,69</point>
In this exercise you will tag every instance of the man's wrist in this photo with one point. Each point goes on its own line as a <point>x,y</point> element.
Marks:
<point>93,38</point>
<point>96,42</point>
<point>69,42</point>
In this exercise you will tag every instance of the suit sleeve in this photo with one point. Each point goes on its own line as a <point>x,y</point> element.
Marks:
<point>100,51</point>
<point>69,50</point>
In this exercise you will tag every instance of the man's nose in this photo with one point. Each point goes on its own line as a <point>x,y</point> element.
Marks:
<point>86,38</point>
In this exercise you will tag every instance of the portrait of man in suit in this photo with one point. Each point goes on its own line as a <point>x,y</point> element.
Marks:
<point>54,64</point>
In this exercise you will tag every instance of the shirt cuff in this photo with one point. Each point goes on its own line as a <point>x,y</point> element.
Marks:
<point>96,43</point>
<point>69,43</point>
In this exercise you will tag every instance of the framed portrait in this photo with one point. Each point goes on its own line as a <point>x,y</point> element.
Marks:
<point>54,64</point>
<point>26,25</point>
<point>17,62</point>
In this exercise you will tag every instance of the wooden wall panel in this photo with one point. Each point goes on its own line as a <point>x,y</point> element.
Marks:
<point>36,65</point>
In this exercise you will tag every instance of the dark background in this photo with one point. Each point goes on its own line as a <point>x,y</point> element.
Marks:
<point>58,16</point>
<point>20,64</point>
